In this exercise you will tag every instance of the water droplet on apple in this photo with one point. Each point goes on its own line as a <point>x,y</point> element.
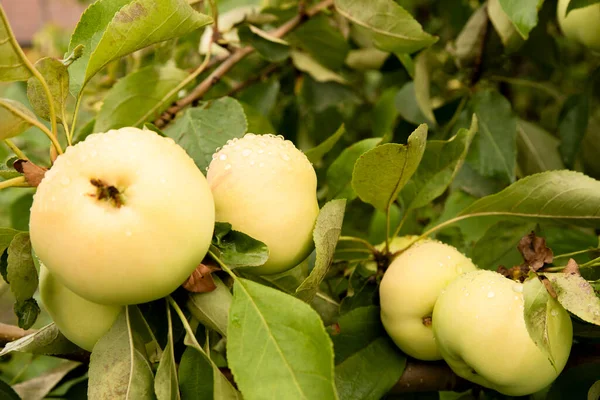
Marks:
<point>285,157</point>
<point>491,294</point>
<point>163,180</point>
<point>262,164</point>
<point>250,135</point>
<point>93,153</point>
<point>65,180</point>
<point>228,166</point>
<point>223,157</point>
<point>260,151</point>
<point>252,162</point>
<point>246,152</point>
<point>517,288</point>
<point>554,313</point>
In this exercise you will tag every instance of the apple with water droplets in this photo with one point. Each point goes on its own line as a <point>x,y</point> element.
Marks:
<point>123,217</point>
<point>479,325</point>
<point>410,288</point>
<point>265,187</point>
<point>81,321</point>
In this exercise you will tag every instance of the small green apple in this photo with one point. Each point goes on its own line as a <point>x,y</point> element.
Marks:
<point>409,290</point>
<point>123,217</point>
<point>80,320</point>
<point>479,325</point>
<point>581,25</point>
<point>265,187</point>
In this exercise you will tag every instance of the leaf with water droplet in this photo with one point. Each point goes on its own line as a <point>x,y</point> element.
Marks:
<point>576,295</point>
<point>537,304</point>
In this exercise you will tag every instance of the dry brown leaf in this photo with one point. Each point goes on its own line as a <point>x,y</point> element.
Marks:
<point>33,173</point>
<point>534,251</point>
<point>201,281</point>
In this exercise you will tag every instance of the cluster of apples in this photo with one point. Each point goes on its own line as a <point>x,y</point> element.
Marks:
<point>125,217</point>
<point>436,304</point>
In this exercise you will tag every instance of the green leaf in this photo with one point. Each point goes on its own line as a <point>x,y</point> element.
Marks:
<point>238,249</point>
<point>196,376</point>
<point>498,246</point>
<point>22,274</point>
<point>325,235</point>
<point>306,63</point>
<point>323,42</point>
<point>393,28</point>
<point>7,393</point>
<point>367,58</point>
<point>296,353</point>
<point>212,308</point>
<point>572,126</point>
<point>468,46</point>
<point>576,295</point>
<point>594,392</point>
<point>566,196</point>
<point>316,154</point>
<point>339,174</point>
<point>407,106</point>
<point>203,129</point>
<point>380,174</point>
<point>262,96</point>
<point>110,29</point>
<point>422,86</point>
<point>6,236</point>
<point>511,38</point>
<point>166,385</point>
<point>536,313</point>
<point>537,149</point>
<point>575,4</point>
<point>270,48</point>
<point>371,372</point>
<point>496,142</point>
<point>120,358</point>
<point>27,312</point>
<point>12,124</point>
<point>47,340</point>
<point>355,331</point>
<point>57,77</point>
<point>40,386</point>
<point>257,122</point>
<point>132,99</point>
<point>523,14</point>
<point>8,173</point>
<point>4,265</point>
<point>440,163</point>
<point>385,113</point>
<point>12,67</point>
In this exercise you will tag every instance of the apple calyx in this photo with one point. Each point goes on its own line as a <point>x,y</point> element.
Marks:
<point>427,321</point>
<point>108,193</point>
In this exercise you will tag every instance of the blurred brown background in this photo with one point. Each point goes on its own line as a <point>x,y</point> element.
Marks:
<point>28,16</point>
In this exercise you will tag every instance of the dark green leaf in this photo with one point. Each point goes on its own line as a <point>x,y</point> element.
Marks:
<point>326,234</point>
<point>393,29</point>
<point>262,96</point>
<point>27,312</point>
<point>22,274</point>
<point>20,210</point>
<point>323,42</point>
<point>203,129</point>
<point>385,113</point>
<point>57,77</point>
<point>499,245</point>
<point>195,376</point>
<point>297,355</point>
<point>356,330</point>
<point>537,149</point>
<point>380,174</point>
<point>238,249</point>
<point>132,100</point>
<point>316,154</point>
<point>271,48</point>
<point>7,393</point>
<point>572,125</point>
<point>4,265</point>
<point>407,106</point>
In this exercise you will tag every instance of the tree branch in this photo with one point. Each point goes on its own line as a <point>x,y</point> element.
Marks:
<point>232,60</point>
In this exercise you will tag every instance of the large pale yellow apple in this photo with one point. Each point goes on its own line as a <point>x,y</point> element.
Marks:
<point>123,217</point>
<point>265,187</point>
<point>480,328</point>
<point>409,290</point>
<point>581,25</point>
<point>81,321</point>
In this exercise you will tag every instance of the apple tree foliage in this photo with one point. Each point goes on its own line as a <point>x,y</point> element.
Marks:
<point>469,121</point>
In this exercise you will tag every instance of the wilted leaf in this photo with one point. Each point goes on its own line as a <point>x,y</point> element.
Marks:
<point>57,77</point>
<point>576,295</point>
<point>326,234</point>
<point>33,173</point>
<point>534,251</point>
<point>201,280</point>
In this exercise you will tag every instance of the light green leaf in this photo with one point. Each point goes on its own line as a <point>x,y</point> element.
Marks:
<point>47,340</point>
<point>325,235</point>
<point>536,313</point>
<point>39,387</point>
<point>523,14</point>
<point>110,29</point>
<point>392,27</point>
<point>594,392</point>
<point>498,246</point>
<point>12,124</point>
<point>380,174</point>
<point>57,77</point>
<point>296,353</point>
<point>12,67</point>
<point>339,174</point>
<point>566,196</point>
<point>422,86</point>
<point>496,142</point>
<point>203,129</point>
<point>212,308</point>
<point>120,358</point>
<point>367,58</point>
<point>306,63</point>
<point>440,163</point>
<point>316,154</point>
<point>576,295</point>
<point>166,385</point>
<point>236,249</point>
<point>385,113</point>
<point>511,38</point>
<point>132,99</point>
<point>22,274</point>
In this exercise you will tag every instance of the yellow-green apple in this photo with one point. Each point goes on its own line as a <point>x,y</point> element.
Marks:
<point>123,217</point>
<point>479,325</point>
<point>81,321</point>
<point>265,187</point>
<point>409,290</point>
<point>581,25</point>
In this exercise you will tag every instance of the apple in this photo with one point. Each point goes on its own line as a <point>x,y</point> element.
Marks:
<point>581,25</point>
<point>81,321</point>
<point>123,217</point>
<point>479,325</point>
<point>265,187</point>
<point>409,290</point>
